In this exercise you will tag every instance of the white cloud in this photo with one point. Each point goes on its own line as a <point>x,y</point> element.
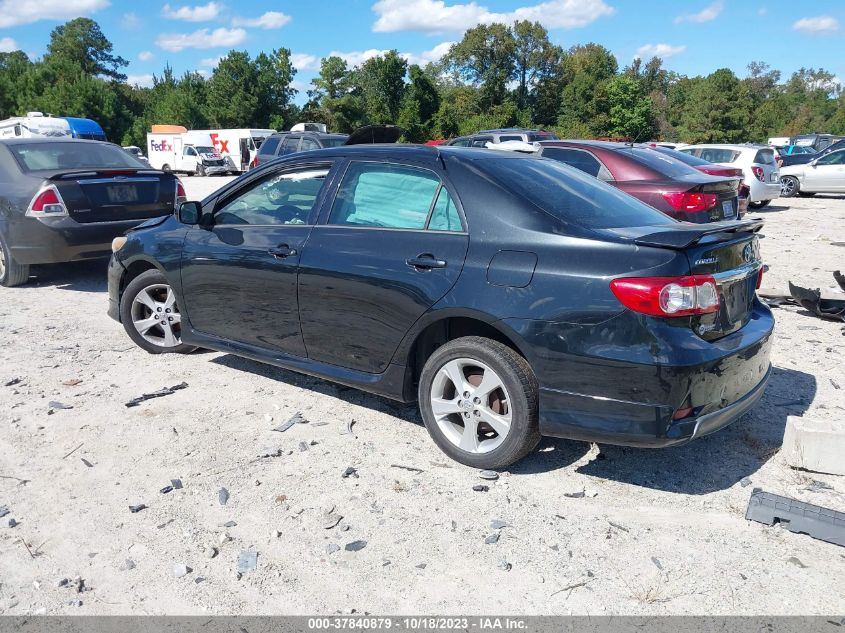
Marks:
<point>211,62</point>
<point>705,15</point>
<point>356,58</point>
<point>199,13</point>
<point>269,20</point>
<point>7,45</point>
<point>298,85</point>
<point>145,56</point>
<point>663,51</point>
<point>304,61</point>
<point>435,16</point>
<point>142,81</point>
<point>820,24</point>
<point>201,39</point>
<point>433,55</point>
<point>203,73</point>
<point>15,12</point>
<point>130,22</point>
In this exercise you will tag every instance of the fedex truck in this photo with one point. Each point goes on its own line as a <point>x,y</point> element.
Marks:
<point>238,147</point>
<point>34,125</point>
<point>172,148</point>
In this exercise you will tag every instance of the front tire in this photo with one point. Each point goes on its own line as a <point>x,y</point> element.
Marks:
<point>11,272</point>
<point>150,315</point>
<point>200,171</point>
<point>789,186</point>
<point>758,205</point>
<point>478,399</point>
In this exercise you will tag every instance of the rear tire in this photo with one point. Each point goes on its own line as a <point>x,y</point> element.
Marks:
<point>11,272</point>
<point>789,186</point>
<point>758,205</point>
<point>150,315</point>
<point>490,420</point>
<point>806,194</point>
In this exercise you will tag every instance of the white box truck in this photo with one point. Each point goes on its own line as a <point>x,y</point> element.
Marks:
<point>191,153</point>
<point>34,125</point>
<point>238,147</point>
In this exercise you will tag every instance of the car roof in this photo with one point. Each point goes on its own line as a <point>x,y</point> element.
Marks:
<point>739,146</point>
<point>51,139</point>
<point>405,151</point>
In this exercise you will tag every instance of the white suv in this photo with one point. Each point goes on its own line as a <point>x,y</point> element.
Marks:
<point>757,162</point>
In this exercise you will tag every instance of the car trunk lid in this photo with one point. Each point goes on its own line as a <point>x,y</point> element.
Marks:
<point>114,195</point>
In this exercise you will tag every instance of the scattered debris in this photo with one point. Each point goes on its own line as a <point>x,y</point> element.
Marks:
<point>4,510</point>
<point>137,508</point>
<point>71,382</point>
<point>816,486</point>
<point>794,560</point>
<point>657,563</point>
<point>576,585</point>
<point>165,391</point>
<point>421,566</point>
<point>618,527</point>
<point>821,523</point>
<point>294,419</point>
<point>411,468</point>
<point>126,565</point>
<point>835,384</point>
<point>350,472</point>
<point>480,488</point>
<point>211,552</point>
<point>176,483</point>
<point>198,580</point>
<point>180,570</point>
<point>281,499</point>
<point>811,300</point>
<point>247,561</point>
<point>12,382</point>
<point>492,539</point>
<point>489,475</point>
<point>745,482</point>
<point>229,524</point>
<point>349,425</point>
<point>330,520</point>
<point>331,548</point>
<point>504,565</point>
<point>303,446</point>
<point>355,546</point>
<point>272,451</point>
<point>575,495</point>
<point>74,450</point>
<point>498,524</point>
<point>59,406</point>
<point>87,463</point>
<point>12,523</point>
<point>166,489</point>
<point>223,496</point>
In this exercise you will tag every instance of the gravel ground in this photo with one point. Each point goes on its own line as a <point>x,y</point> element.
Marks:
<point>655,532</point>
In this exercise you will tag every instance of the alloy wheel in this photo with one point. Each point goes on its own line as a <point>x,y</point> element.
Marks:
<point>2,262</point>
<point>787,186</point>
<point>156,317</point>
<point>471,405</point>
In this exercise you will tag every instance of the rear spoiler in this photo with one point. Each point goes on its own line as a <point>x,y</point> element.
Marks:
<point>109,171</point>
<point>693,233</point>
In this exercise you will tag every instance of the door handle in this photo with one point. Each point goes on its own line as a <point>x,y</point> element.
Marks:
<point>425,261</point>
<point>282,251</point>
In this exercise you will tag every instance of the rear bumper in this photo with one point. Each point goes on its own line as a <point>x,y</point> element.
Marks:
<point>763,190</point>
<point>114,275</point>
<point>56,240</point>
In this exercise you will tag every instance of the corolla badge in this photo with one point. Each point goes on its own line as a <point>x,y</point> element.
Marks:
<point>748,252</point>
<point>707,260</point>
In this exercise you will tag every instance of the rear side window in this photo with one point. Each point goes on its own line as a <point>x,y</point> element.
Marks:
<point>765,157</point>
<point>72,155</point>
<point>571,195</point>
<point>717,155</point>
<point>579,159</point>
<point>390,196</point>
<point>444,216</point>
<point>481,142</point>
<point>290,145</point>
<point>269,146</point>
<point>510,137</point>
<point>308,143</point>
<point>460,142</point>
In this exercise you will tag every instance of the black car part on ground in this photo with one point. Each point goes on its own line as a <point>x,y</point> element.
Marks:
<point>811,300</point>
<point>796,516</point>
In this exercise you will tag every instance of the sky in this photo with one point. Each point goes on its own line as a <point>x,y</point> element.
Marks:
<point>692,36</point>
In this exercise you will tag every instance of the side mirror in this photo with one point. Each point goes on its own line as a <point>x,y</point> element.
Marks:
<point>813,162</point>
<point>190,213</point>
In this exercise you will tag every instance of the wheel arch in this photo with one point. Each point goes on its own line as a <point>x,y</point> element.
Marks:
<point>134,269</point>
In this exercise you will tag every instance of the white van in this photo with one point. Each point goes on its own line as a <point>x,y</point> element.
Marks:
<point>34,125</point>
<point>238,147</point>
<point>188,152</point>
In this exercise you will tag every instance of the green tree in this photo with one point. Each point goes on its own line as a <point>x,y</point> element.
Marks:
<point>419,107</point>
<point>81,44</point>
<point>485,58</point>
<point>381,80</point>
<point>716,110</point>
<point>630,111</point>
<point>535,58</point>
<point>586,71</point>
<point>275,94</point>
<point>233,92</point>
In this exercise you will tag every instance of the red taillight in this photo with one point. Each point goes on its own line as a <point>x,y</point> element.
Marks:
<point>758,173</point>
<point>46,202</point>
<point>689,201</point>
<point>181,196</point>
<point>760,276</point>
<point>668,296</point>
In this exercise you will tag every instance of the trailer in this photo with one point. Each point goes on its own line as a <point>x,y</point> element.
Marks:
<point>239,147</point>
<point>85,128</point>
<point>35,125</point>
<point>174,149</point>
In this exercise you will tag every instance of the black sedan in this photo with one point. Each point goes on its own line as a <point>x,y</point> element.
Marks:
<point>64,200</point>
<point>512,296</point>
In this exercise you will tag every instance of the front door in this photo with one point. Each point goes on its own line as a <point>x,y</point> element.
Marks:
<point>827,175</point>
<point>239,276</point>
<point>394,244</point>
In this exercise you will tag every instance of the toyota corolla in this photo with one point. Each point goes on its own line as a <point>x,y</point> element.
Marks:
<point>511,296</point>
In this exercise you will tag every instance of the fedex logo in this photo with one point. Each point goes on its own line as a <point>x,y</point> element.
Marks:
<point>164,146</point>
<point>217,141</point>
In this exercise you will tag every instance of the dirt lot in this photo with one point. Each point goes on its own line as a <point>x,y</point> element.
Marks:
<point>657,532</point>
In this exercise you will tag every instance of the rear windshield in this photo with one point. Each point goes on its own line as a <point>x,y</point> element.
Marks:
<point>661,163</point>
<point>571,195</point>
<point>69,155</point>
<point>689,159</point>
<point>765,157</point>
<point>718,155</point>
<point>335,141</point>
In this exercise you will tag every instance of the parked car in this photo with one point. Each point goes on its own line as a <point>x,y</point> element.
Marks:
<point>822,175</point>
<point>786,155</point>
<point>137,152</point>
<point>714,170</point>
<point>503,135</point>
<point>511,296</point>
<point>665,183</point>
<point>817,141</point>
<point>756,161</point>
<point>65,199</point>
<point>295,141</point>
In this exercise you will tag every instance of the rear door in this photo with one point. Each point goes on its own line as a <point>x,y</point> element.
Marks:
<point>239,276</point>
<point>393,244</point>
<point>765,159</point>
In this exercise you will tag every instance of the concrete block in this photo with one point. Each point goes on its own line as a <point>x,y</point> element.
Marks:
<point>816,445</point>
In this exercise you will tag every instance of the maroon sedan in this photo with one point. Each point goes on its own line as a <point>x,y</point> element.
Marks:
<point>665,183</point>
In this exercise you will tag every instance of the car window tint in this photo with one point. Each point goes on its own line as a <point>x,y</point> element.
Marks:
<point>72,155</point>
<point>308,143</point>
<point>269,146</point>
<point>389,196</point>
<point>571,195</point>
<point>290,144</point>
<point>834,158</point>
<point>510,137</point>
<point>765,157</point>
<point>445,216</point>
<point>481,142</point>
<point>461,142</point>
<point>716,155</point>
<point>278,198</point>
<point>577,158</point>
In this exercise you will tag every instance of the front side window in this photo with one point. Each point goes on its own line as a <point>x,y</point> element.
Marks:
<point>579,159</point>
<point>834,158</point>
<point>389,196</point>
<point>278,198</point>
<point>189,151</point>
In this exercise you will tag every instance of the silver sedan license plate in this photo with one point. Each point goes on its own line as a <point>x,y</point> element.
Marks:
<point>122,193</point>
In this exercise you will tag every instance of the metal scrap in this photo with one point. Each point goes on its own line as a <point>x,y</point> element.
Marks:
<point>165,391</point>
<point>821,523</point>
<point>811,300</point>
